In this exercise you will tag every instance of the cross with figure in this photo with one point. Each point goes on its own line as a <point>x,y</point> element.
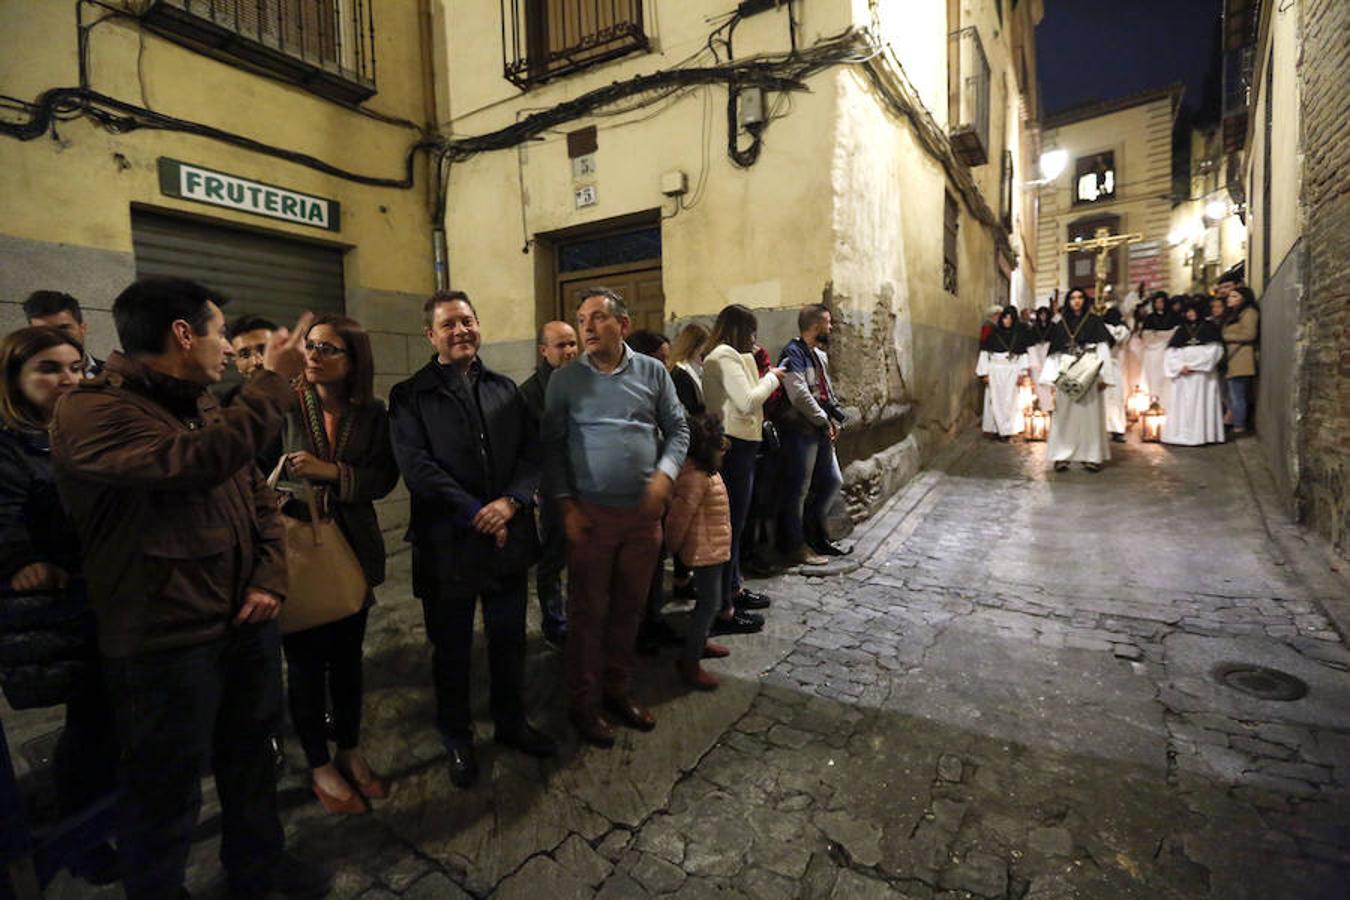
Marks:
<point>1103,242</point>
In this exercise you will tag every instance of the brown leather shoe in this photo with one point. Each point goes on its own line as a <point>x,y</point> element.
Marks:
<point>715,651</point>
<point>593,727</point>
<point>353,805</point>
<point>694,675</point>
<point>631,713</point>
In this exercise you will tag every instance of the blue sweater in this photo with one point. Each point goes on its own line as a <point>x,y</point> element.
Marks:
<point>604,435</point>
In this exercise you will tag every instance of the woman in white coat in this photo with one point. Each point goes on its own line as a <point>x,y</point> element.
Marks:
<point>1078,427</point>
<point>1002,364</point>
<point>734,390</point>
<point>1194,407</point>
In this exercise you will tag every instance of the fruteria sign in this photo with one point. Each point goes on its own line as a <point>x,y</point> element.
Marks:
<point>189,182</point>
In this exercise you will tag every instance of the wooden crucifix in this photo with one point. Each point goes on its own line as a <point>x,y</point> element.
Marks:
<point>1103,242</point>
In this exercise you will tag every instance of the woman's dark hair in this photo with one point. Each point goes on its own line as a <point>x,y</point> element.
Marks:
<point>1068,299</point>
<point>1248,295</point>
<point>17,348</point>
<point>648,343</point>
<point>736,327</point>
<point>144,312</point>
<point>1043,315</point>
<point>360,359</point>
<point>705,439</point>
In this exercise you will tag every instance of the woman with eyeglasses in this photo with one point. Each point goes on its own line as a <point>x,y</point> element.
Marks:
<point>341,447</point>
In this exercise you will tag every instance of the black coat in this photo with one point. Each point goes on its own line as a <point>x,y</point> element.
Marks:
<point>462,443</point>
<point>34,526</point>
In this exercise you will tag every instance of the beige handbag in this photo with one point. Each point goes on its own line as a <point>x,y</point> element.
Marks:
<point>325,579</point>
<point>1077,377</point>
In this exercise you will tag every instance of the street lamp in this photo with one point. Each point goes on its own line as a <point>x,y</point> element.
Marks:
<point>1053,163</point>
<point>1216,210</point>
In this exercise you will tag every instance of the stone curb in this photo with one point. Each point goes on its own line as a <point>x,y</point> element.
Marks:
<point>874,531</point>
<point>1308,554</point>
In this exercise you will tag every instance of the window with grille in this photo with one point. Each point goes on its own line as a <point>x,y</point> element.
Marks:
<point>544,39</point>
<point>1095,178</point>
<point>327,46</point>
<point>951,222</point>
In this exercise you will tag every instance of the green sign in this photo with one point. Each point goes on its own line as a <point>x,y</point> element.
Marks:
<point>180,179</point>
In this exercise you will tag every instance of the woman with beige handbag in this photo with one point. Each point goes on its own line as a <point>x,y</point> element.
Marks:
<point>337,460</point>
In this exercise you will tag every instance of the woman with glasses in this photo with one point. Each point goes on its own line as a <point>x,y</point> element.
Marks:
<point>341,447</point>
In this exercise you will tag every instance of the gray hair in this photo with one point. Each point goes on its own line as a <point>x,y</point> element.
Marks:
<point>614,303</point>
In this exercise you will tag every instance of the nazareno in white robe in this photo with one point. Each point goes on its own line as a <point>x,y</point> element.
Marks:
<point>1113,398</point>
<point>1036,355</point>
<point>1155,348</point>
<point>1078,427</point>
<point>1002,411</point>
<point>1193,408</point>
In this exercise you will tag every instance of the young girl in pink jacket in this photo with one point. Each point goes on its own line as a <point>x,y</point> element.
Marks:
<point>698,531</point>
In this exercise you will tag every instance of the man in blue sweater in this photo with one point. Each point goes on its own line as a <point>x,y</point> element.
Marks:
<point>614,438</point>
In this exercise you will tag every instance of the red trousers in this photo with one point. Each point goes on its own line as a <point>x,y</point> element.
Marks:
<point>609,574</point>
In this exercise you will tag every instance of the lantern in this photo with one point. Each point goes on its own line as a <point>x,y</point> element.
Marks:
<point>1137,404</point>
<point>1153,420</point>
<point>1038,424</point>
<point>1025,395</point>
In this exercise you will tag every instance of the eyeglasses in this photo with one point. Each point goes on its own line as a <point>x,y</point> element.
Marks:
<point>325,349</point>
<point>251,351</point>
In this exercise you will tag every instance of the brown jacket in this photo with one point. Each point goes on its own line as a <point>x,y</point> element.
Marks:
<point>175,519</point>
<point>698,525</point>
<point>1240,336</point>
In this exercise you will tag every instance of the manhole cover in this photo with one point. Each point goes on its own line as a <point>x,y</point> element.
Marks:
<point>1260,682</point>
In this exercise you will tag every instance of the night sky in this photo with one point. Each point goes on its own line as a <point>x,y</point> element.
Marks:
<point>1091,50</point>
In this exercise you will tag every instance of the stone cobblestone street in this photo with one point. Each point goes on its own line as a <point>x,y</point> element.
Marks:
<point>1012,697</point>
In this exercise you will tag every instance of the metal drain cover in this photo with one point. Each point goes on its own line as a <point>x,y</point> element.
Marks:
<point>1260,682</point>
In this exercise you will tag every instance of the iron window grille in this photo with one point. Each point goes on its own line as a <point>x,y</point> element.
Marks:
<point>543,39</point>
<point>1094,179</point>
<point>326,46</point>
<point>968,96</point>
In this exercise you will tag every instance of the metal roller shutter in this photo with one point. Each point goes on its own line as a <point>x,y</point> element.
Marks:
<point>268,276</point>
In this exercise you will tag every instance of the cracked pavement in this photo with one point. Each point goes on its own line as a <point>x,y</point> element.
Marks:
<point>1011,697</point>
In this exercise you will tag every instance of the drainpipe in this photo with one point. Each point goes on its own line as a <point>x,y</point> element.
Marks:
<point>438,249</point>
<point>439,168</point>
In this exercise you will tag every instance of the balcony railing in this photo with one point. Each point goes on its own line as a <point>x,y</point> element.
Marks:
<point>328,46</point>
<point>542,39</point>
<point>968,100</point>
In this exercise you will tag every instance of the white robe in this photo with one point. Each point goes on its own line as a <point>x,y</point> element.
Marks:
<point>1078,427</point>
<point>1134,365</point>
<point>1036,355</point>
<point>1193,408</point>
<point>1002,410</point>
<point>1113,398</point>
<point>1155,348</point>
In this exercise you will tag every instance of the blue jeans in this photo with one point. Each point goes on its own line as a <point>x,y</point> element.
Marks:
<point>811,478</point>
<point>738,474</point>
<point>1239,396</point>
<point>179,711</point>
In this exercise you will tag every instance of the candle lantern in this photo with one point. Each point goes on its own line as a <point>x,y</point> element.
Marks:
<point>1025,395</point>
<point>1153,420</point>
<point>1038,424</point>
<point>1137,404</point>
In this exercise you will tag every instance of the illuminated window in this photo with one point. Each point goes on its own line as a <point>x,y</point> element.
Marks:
<point>1095,178</point>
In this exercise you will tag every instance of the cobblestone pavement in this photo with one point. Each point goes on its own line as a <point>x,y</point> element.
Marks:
<point>1013,696</point>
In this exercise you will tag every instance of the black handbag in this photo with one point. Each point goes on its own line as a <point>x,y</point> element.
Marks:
<point>48,646</point>
<point>770,442</point>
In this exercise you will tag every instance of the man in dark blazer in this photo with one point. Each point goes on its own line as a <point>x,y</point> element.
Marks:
<point>470,457</point>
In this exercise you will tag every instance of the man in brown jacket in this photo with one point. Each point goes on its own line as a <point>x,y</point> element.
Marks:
<point>185,559</point>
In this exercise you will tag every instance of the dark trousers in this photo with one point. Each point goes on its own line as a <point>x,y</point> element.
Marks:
<point>177,712</point>
<point>738,474</point>
<point>84,761</point>
<point>323,663</point>
<point>552,560</point>
<point>609,576</point>
<point>449,619</point>
<point>709,582</point>
<point>811,478</point>
<point>1239,400</point>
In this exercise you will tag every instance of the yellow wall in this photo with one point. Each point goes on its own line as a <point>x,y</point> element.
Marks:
<point>1141,138</point>
<point>842,203</point>
<point>78,191</point>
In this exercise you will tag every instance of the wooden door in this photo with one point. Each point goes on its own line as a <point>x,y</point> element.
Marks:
<point>638,283</point>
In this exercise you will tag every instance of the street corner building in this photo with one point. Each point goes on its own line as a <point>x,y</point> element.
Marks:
<point>353,156</point>
<point>273,151</point>
<point>695,153</point>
